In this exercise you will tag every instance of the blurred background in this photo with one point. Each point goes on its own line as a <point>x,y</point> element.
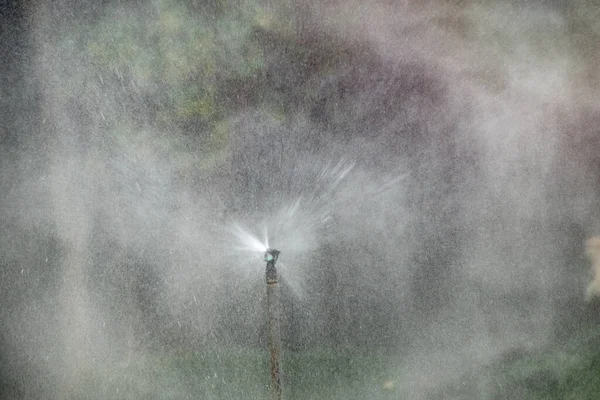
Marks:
<point>430,171</point>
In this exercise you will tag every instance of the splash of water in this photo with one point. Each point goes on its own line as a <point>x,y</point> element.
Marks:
<point>248,241</point>
<point>297,226</point>
<point>325,205</point>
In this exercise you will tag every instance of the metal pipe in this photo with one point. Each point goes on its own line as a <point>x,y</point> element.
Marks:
<point>274,340</point>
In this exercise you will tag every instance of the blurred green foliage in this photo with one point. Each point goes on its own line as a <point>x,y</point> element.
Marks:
<point>571,371</point>
<point>568,371</point>
<point>179,71</point>
<point>233,373</point>
<point>168,66</point>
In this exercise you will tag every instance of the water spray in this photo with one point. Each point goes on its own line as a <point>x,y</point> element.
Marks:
<point>271,256</point>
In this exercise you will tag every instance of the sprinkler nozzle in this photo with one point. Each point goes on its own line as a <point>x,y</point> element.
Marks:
<point>271,255</point>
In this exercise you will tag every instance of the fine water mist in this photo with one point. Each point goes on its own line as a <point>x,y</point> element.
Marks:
<point>428,170</point>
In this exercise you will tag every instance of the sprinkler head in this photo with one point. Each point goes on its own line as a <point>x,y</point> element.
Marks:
<point>271,255</point>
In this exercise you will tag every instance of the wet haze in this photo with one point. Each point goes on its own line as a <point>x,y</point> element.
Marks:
<point>430,189</point>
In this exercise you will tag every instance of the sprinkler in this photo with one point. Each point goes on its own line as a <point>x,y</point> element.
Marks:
<point>271,256</point>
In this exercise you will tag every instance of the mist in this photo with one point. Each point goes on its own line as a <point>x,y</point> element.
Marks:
<point>428,170</point>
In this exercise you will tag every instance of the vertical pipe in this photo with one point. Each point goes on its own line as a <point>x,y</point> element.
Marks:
<point>273,313</point>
